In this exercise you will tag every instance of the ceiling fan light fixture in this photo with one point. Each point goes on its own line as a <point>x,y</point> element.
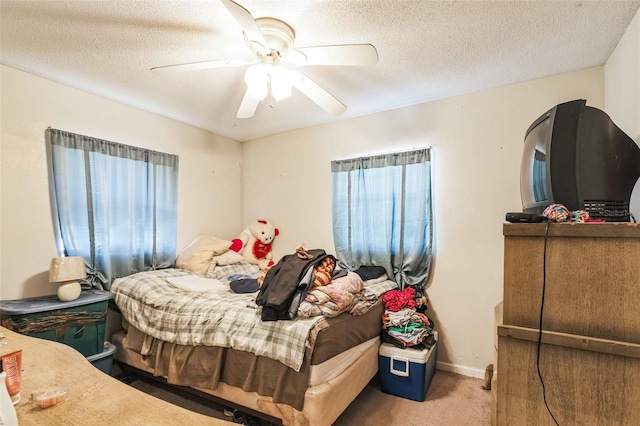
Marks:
<point>281,86</point>
<point>257,79</point>
<point>281,82</point>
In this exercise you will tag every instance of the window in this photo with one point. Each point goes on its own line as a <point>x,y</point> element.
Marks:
<point>382,214</point>
<point>114,205</point>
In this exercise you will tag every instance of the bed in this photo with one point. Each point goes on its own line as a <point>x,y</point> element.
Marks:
<point>192,330</point>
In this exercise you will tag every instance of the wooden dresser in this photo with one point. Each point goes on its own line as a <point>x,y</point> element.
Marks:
<point>590,351</point>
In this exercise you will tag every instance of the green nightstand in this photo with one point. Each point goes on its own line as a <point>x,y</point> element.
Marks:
<point>79,323</point>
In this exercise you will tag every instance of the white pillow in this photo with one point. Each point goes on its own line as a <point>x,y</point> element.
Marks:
<point>197,256</point>
<point>227,258</point>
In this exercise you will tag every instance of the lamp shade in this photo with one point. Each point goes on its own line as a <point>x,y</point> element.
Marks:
<point>66,269</point>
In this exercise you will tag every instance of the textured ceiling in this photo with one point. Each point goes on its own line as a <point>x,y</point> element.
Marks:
<point>427,50</point>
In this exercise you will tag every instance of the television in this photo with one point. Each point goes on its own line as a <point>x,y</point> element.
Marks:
<point>576,156</point>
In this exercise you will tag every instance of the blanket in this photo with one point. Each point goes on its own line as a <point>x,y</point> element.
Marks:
<point>345,294</point>
<point>153,303</point>
<point>150,303</point>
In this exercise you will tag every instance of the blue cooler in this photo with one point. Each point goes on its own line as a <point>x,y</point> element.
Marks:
<point>407,373</point>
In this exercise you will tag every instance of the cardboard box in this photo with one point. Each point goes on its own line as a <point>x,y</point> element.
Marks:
<point>406,373</point>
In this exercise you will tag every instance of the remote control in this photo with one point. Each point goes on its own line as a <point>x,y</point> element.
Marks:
<point>525,218</point>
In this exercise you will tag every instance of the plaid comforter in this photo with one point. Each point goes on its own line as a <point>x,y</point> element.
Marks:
<point>149,302</point>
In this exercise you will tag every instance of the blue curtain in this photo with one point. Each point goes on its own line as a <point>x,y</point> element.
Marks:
<point>382,214</point>
<point>114,205</point>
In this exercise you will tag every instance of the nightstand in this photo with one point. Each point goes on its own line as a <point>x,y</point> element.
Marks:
<point>78,323</point>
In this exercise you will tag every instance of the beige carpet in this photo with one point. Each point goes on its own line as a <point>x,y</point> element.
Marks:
<point>452,399</point>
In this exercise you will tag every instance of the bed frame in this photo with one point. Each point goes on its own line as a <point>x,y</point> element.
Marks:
<point>323,403</point>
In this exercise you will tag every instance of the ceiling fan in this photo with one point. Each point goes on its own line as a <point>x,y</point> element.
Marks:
<point>271,40</point>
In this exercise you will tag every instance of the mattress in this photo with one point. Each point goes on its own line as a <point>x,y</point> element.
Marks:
<point>335,366</point>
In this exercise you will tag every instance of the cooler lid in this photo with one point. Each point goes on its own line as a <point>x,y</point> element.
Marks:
<point>413,355</point>
<point>49,303</point>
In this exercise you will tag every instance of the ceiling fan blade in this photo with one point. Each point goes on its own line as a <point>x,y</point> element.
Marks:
<point>343,54</point>
<point>248,106</point>
<point>317,94</point>
<point>192,66</point>
<point>247,23</point>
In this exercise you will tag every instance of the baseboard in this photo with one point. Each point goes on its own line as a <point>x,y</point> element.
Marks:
<point>460,369</point>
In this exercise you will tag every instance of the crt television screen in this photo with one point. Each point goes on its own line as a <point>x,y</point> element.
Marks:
<point>534,185</point>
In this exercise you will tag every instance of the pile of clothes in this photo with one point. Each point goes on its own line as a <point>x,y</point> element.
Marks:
<point>404,323</point>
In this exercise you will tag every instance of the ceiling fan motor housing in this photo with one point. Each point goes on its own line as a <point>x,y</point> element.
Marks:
<point>278,35</point>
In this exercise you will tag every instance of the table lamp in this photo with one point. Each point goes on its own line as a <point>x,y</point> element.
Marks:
<point>67,271</point>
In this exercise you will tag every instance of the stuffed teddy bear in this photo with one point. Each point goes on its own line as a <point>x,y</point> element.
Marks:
<point>254,243</point>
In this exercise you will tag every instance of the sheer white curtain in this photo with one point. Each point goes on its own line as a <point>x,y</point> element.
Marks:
<point>382,214</point>
<point>114,205</point>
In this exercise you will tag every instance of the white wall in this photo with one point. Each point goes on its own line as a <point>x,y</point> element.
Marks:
<point>477,144</point>
<point>209,177</point>
<point>622,81</point>
<point>622,91</point>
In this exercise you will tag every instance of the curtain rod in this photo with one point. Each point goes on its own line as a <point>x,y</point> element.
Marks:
<point>383,153</point>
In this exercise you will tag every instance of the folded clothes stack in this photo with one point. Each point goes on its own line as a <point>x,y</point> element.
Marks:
<point>402,324</point>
